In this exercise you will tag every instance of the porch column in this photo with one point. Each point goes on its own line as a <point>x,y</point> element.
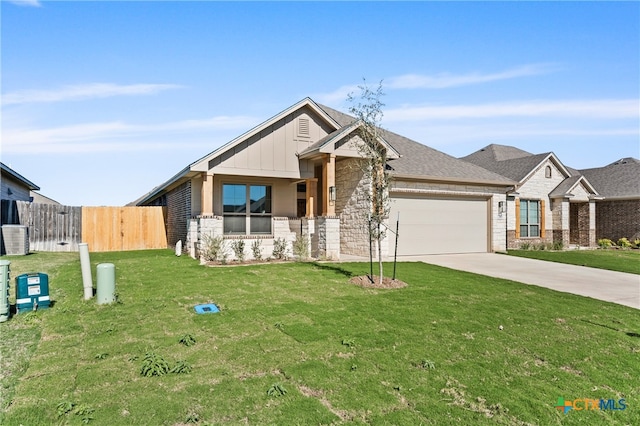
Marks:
<point>592,223</point>
<point>328,181</point>
<point>206,194</point>
<point>560,217</point>
<point>312,188</point>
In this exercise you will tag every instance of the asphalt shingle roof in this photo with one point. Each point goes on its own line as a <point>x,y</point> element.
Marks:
<point>507,161</point>
<point>420,160</point>
<point>620,179</point>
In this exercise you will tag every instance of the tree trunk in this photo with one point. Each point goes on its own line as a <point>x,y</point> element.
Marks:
<point>380,254</point>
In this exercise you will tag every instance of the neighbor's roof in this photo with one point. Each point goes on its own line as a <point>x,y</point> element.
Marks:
<point>9,171</point>
<point>510,161</point>
<point>620,179</point>
<point>566,186</point>
<point>420,161</point>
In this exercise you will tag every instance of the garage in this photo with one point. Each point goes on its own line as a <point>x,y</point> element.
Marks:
<point>439,225</point>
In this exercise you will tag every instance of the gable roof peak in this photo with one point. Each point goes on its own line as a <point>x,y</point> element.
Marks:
<point>505,152</point>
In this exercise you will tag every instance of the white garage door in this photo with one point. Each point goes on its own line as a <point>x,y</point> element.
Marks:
<point>439,225</point>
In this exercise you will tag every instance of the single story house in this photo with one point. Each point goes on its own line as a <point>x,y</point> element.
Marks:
<point>618,212</point>
<point>555,203</point>
<point>13,187</point>
<point>298,172</point>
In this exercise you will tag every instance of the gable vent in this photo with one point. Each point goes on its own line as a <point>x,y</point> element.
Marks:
<point>303,127</point>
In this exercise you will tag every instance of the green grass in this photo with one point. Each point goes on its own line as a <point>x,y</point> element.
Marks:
<point>296,344</point>
<point>614,260</point>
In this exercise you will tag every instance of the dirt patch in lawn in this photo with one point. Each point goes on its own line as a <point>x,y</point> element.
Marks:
<point>369,281</point>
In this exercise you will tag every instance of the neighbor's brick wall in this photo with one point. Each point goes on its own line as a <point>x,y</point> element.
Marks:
<point>538,187</point>
<point>618,219</point>
<point>178,213</point>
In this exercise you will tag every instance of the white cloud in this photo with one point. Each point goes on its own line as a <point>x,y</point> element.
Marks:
<point>447,80</point>
<point>439,81</point>
<point>83,91</point>
<point>32,3</point>
<point>118,136</point>
<point>591,109</point>
<point>336,97</point>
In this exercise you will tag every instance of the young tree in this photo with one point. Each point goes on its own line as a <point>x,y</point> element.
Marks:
<point>367,109</point>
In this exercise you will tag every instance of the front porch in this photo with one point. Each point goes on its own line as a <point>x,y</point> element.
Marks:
<point>268,209</point>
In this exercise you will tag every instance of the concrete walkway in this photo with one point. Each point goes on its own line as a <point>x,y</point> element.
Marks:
<point>610,286</point>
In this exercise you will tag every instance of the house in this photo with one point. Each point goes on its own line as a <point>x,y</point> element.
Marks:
<point>298,173</point>
<point>552,203</point>
<point>14,187</point>
<point>618,212</point>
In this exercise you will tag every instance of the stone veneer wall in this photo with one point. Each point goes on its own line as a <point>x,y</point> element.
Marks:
<point>352,204</point>
<point>201,227</point>
<point>618,219</point>
<point>178,213</point>
<point>328,232</point>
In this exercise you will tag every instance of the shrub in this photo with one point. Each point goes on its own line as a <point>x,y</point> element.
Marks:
<point>605,243</point>
<point>238,249</point>
<point>624,243</point>
<point>154,365</point>
<point>256,249</point>
<point>280,248</point>
<point>213,249</point>
<point>301,247</point>
<point>558,246</point>
<point>541,246</point>
<point>525,246</point>
<point>636,243</point>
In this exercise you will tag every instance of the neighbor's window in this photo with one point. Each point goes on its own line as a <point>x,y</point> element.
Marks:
<point>246,207</point>
<point>529,218</point>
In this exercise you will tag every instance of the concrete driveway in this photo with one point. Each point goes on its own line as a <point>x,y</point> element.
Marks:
<point>610,286</point>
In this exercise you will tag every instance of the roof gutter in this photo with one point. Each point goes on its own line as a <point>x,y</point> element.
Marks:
<point>159,189</point>
<point>455,180</point>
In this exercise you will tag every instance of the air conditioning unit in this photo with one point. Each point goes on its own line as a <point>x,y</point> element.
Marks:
<point>15,239</point>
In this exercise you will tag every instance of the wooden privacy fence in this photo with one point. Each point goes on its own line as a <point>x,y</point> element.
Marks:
<point>123,228</point>
<point>54,227</point>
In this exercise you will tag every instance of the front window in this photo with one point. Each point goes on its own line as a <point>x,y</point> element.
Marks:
<point>529,218</point>
<point>246,207</point>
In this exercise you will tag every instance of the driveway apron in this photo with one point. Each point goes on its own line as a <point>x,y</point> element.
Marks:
<point>610,286</point>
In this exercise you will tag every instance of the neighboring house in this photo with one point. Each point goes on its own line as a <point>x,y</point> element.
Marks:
<point>551,202</point>
<point>618,214</point>
<point>14,187</point>
<point>42,199</point>
<point>299,172</point>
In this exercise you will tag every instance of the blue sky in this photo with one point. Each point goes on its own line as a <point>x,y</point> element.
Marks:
<point>102,101</point>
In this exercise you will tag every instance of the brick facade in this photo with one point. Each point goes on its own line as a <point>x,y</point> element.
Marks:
<point>178,202</point>
<point>618,219</point>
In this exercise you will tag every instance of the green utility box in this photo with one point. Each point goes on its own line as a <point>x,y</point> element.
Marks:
<point>32,292</point>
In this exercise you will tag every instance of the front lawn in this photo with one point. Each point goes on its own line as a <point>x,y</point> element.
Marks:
<point>296,344</point>
<point>614,260</point>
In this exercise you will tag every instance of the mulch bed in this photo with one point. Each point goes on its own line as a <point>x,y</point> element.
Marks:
<point>365,281</point>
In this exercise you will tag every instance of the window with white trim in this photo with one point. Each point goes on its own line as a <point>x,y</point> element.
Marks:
<point>246,209</point>
<point>529,218</point>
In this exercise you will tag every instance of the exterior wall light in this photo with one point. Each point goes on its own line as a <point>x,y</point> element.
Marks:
<point>500,207</point>
<point>332,194</point>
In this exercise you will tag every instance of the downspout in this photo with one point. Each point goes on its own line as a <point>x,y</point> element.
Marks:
<point>513,192</point>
